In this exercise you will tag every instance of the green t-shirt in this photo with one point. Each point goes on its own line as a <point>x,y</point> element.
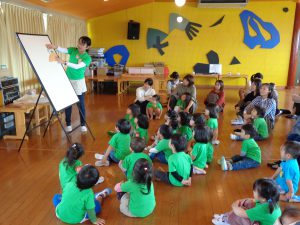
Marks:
<point>181,163</point>
<point>130,160</point>
<point>252,150</point>
<point>200,153</point>
<point>210,152</point>
<point>121,145</point>
<point>187,132</point>
<point>261,126</point>
<point>212,123</point>
<point>163,145</point>
<point>157,106</point>
<point>74,203</point>
<point>131,121</point>
<point>261,214</point>
<point>67,173</point>
<point>140,205</point>
<point>76,58</point>
<point>143,133</point>
<point>181,104</point>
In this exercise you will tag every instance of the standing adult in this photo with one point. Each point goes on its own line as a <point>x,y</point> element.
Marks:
<point>144,94</point>
<point>187,86</point>
<point>78,62</point>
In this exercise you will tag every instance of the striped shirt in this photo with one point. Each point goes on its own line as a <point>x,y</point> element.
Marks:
<point>268,104</point>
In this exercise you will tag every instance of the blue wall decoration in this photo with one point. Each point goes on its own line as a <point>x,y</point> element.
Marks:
<point>254,21</point>
<point>118,49</point>
<point>155,38</point>
<point>190,28</point>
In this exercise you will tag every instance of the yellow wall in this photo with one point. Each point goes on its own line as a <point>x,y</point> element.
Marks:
<point>226,39</point>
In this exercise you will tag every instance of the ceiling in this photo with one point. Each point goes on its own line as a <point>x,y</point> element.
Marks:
<point>86,9</point>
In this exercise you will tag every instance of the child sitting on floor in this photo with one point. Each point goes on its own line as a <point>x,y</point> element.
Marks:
<point>154,107</point>
<point>199,152</point>
<point>183,102</point>
<point>78,203</point>
<point>180,164</point>
<point>138,199</point>
<point>162,150</point>
<point>211,112</point>
<point>137,146</point>
<point>118,147</point>
<point>287,175</point>
<point>250,156</point>
<point>262,210</point>
<point>185,129</point>
<point>132,112</point>
<point>142,125</point>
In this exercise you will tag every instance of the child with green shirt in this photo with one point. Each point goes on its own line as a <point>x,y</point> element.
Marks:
<point>142,125</point>
<point>250,156</point>
<point>138,199</point>
<point>199,152</point>
<point>162,150</point>
<point>78,203</point>
<point>137,146</point>
<point>262,210</point>
<point>180,164</point>
<point>259,123</point>
<point>119,145</point>
<point>154,107</point>
<point>211,112</point>
<point>183,102</point>
<point>78,62</point>
<point>185,129</point>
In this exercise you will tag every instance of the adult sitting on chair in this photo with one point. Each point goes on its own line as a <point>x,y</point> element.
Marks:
<point>187,86</point>
<point>144,94</point>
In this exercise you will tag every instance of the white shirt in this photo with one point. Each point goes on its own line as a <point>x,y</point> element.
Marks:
<point>141,93</point>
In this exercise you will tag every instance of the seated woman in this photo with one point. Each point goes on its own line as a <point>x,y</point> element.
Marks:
<point>144,94</point>
<point>216,96</point>
<point>244,91</point>
<point>172,84</point>
<point>187,86</point>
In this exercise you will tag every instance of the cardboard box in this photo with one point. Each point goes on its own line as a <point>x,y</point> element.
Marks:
<point>134,70</point>
<point>146,70</point>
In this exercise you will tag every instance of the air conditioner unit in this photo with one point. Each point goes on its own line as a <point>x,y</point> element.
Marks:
<point>222,3</point>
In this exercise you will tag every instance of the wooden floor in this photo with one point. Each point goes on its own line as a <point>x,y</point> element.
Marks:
<point>29,179</point>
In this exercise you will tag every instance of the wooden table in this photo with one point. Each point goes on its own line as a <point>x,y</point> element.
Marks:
<point>98,79</point>
<point>221,76</point>
<point>159,82</point>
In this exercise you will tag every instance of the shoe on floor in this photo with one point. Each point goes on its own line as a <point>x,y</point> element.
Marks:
<point>224,164</point>
<point>99,156</point>
<point>295,198</point>
<point>233,137</point>
<point>100,180</point>
<point>291,116</point>
<point>218,215</point>
<point>101,163</point>
<point>106,192</point>
<point>216,142</point>
<point>83,129</point>
<point>68,129</point>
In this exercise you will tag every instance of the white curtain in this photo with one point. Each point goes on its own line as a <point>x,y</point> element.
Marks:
<point>4,59</point>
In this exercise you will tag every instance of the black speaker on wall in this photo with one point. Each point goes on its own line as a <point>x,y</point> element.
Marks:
<point>133,30</point>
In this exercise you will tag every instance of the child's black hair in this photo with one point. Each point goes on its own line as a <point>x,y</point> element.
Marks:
<point>260,111</point>
<point>267,189</point>
<point>256,76</point>
<point>179,142</point>
<point>165,131</point>
<point>142,174</point>
<point>291,212</point>
<point>142,121</point>
<point>156,97</point>
<point>221,84</point>
<point>199,119</point>
<point>213,110</point>
<point>250,130</point>
<point>172,114</point>
<point>292,148</point>
<point>135,110</point>
<point>73,153</point>
<point>149,81</point>
<point>188,98</point>
<point>257,83</point>
<point>174,124</point>
<point>201,135</point>
<point>137,144</point>
<point>185,118</point>
<point>87,177</point>
<point>86,40</point>
<point>174,75</point>
<point>123,126</point>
